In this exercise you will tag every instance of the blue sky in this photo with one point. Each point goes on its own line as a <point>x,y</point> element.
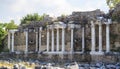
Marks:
<point>16,9</point>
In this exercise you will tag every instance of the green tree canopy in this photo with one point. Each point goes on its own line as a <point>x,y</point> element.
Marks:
<point>112,3</point>
<point>31,17</point>
<point>11,25</point>
<point>3,31</point>
<point>2,35</point>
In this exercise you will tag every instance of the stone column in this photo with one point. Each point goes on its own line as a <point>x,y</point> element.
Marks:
<point>107,38</point>
<point>52,39</point>
<point>9,40</point>
<point>57,39</point>
<point>40,31</point>
<point>83,39</point>
<point>26,47</point>
<point>72,40</point>
<point>48,34</point>
<point>36,42</point>
<point>63,39</point>
<point>100,37</point>
<point>92,37</point>
<point>12,50</point>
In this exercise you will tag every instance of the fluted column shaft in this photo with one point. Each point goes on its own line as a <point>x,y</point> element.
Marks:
<point>57,39</point>
<point>100,37</point>
<point>71,39</point>
<point>9,40</point>
<point>83,39</point>
<point>12,42</point>
<point>36,42</point>
<point>107,38</point>
<point>93,37</point>
<point>63,39</point>
<point>26,47</point>
<point>48,34</point>
<point>52,39</point>
<point>40,32</point>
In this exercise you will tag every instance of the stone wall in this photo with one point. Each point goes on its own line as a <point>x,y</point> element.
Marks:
<point>114,38</point>
<point>77,17</point>
<point>20,48</point>
<point>83,58</point>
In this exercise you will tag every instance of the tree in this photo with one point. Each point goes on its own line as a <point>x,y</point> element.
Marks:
<point>31,17</point>
<point>11,25</point>
<point>112,3</point>
<point>4,27</point>
<point>62,18</point>
<point>2,35</point>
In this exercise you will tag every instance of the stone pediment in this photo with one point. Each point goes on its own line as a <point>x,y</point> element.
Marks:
<point>57,25</point>
<point>13,30</point>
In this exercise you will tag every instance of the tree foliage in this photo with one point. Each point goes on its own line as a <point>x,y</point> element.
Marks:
<point>112,3</point>
<point>2,35</point>
<point>2,32</point>
<point>11,25</point>
<point>4,27</point>
<point>31,17</point>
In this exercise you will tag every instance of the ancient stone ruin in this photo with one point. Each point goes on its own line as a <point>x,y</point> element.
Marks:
<point>81,36</point>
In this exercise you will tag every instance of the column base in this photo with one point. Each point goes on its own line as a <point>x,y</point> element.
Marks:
<point>25,55</point>
<point>61,56</point>
<point>107,51</point>
<point>100,53</point>
<point>50,56</point>
<point>96,53</point>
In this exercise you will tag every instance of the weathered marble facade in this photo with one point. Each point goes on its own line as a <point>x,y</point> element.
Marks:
<point>78,33</point>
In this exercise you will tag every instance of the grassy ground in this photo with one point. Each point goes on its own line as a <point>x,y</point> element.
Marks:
<point>10,65</point>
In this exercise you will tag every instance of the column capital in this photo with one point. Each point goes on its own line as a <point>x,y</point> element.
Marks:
<point>36,32</point>
<point>100,24</point>
<point>52,28</point>
<point>63,27</point>
<point>92,24</point>
<point>26,30</point>
<point>40,28</point>
<point>48,29</point>
<point>71,28</point>
<point>72,25</point>
<point>57,28</point>
<point>107,24</point>
<point>12,31</point>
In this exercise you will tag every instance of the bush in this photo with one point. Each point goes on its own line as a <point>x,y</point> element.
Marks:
<point>6,50</point>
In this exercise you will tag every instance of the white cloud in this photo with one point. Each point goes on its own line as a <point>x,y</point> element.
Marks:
<point>20,8</point>
<point>50,6</point>
<point>53,7</point>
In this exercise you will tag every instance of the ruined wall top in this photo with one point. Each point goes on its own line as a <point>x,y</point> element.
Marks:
<point>76,17</point>
<point>88,13</point>
<point>82,17</point>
